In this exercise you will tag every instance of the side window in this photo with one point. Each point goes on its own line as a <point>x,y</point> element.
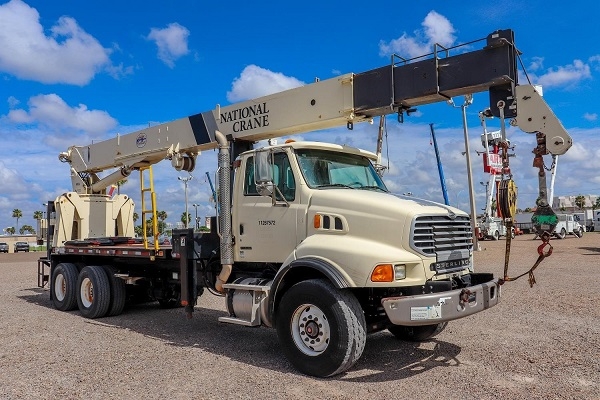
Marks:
<point>249,185</point>
<point>283,177</point>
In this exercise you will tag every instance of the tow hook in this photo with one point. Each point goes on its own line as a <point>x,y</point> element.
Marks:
<point>465,294</point>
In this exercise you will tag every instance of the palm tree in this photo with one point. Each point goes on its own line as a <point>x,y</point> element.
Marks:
<point>136,216</point>
<point>183,219</point>
<point>38,215</point>
<point>27,228</point>
<point>580,201</point>
<point>17,214</point>
<point>119,184</point>
<point>162,215</point>
<point>10,230</point>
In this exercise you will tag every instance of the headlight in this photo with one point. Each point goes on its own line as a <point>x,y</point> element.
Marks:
<point>399,271</point>
<point>388,273</point>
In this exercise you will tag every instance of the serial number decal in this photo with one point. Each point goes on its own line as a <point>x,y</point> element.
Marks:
<point>266,222</point>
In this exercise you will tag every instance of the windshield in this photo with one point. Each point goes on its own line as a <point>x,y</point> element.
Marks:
<point>326,169</point>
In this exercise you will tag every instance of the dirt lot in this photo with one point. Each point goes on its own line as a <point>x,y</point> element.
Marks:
<point>540,342</point>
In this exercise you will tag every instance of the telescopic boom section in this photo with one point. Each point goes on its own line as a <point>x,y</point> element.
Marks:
<point>344,100</point>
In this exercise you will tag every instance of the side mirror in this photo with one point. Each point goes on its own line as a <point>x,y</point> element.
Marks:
<point>265,189</point>
<point>263,173</point>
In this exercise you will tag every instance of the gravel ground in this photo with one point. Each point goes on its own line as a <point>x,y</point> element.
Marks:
<point>540,342</point>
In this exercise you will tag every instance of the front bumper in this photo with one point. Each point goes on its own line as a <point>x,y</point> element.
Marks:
<point>434,308</point>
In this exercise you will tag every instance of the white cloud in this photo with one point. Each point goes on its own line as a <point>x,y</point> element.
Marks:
<point>255,81</point>
<point>595,61</point>
<point>590,116</point>
<point>536,64</point>
<point>172,42</point>
<point>436,29</point>
<point>69,55</point>
<point>563,76</point>
<point>52,111</point>
<point>12,102</point>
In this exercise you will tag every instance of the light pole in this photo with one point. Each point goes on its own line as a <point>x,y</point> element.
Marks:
<point>44,225</point>
<point>457,196</point>
<point>196,210</point>
<point>488,205</point>
<point>467,102</point>
<point>185,184</point>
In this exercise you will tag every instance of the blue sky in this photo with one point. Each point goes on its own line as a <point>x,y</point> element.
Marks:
<point>77,72</point>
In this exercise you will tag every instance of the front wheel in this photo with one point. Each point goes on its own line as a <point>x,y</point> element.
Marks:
<point>417,333</point>
<point>496,235</point>
<point>579,233</point>
<point>322,330</point>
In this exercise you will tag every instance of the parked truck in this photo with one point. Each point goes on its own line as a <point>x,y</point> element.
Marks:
<point>493,228</point>
<point>308,238</point>
<point>568,225</point>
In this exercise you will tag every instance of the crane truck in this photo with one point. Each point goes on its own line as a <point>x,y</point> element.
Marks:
<point>308,239</point>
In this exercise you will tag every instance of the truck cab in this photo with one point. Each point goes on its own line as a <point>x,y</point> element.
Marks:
<point>319,209</point>
<point>309,199</point>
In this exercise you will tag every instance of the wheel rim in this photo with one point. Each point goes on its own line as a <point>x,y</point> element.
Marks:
<point>87,292</point>
<point>60,287</point>
<point>310,330</point>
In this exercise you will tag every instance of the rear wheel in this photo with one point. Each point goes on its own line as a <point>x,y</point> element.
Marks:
<point>64,287</point>
<point>496,235</point>
<point>322,330</point>
<point>117,292</point>
<point>94,292</point>
<point>562,234</point>
<point>417,333</point>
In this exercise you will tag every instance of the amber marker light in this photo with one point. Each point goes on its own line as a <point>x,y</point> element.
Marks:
<point>317,221</point>
<point>383,273</point>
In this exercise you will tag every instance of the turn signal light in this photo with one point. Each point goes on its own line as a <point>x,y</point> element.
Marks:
<point>383,273</point>
<point>317,221</point>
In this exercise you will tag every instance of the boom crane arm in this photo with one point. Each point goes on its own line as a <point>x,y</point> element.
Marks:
<point>344,100</point>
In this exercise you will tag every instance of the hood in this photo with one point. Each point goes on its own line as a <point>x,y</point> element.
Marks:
<point>380,216</point>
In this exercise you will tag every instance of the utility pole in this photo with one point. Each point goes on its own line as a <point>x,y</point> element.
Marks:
<point>185,184</point>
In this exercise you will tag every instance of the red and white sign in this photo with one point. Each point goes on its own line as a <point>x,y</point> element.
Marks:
<point>492,163</point>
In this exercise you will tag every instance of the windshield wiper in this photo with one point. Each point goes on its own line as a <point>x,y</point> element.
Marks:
<point>334,185</point>
<point>372,187</point>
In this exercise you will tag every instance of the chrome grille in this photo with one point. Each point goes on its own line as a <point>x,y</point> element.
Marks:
<point>434,235</point>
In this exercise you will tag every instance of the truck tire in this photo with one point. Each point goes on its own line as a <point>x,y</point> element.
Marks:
<point>496,235</point>
<point>321,330</point>
<point>562,234</point>
<point>94,292</point>
<point>117,290</point>
<point>64,287</point>
<point>417,333</point>
<point>579,233</point>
